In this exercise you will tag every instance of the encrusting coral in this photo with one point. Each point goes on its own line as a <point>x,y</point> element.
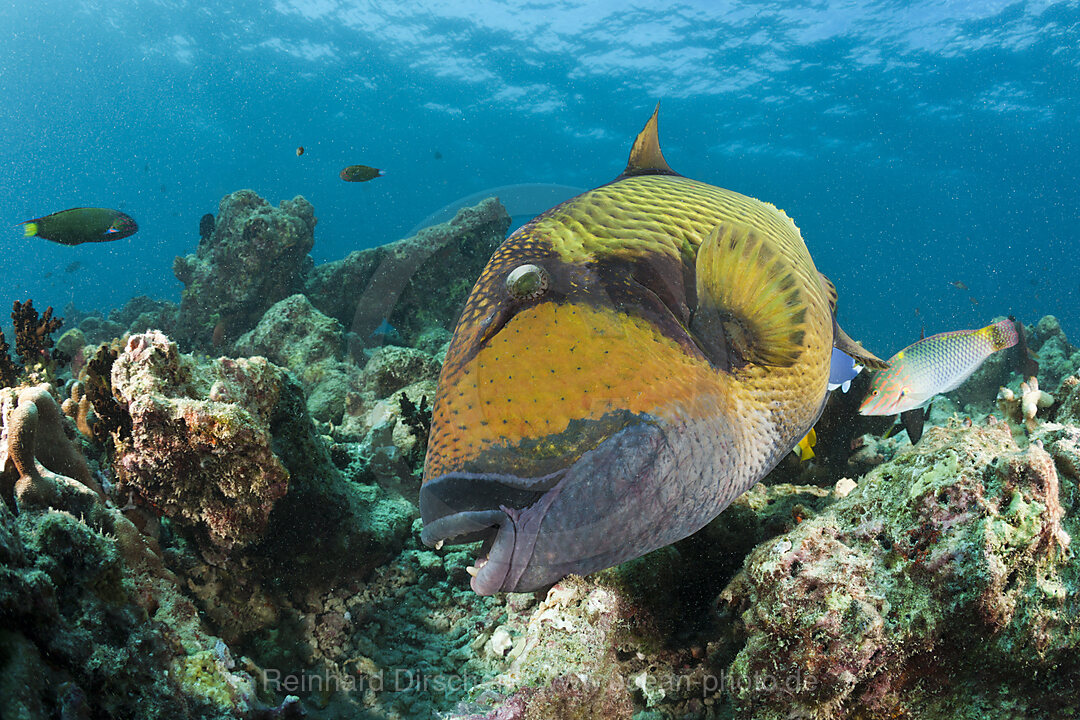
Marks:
<point>47,463</point>
<point>1023,409</point>
<point>256,256</point>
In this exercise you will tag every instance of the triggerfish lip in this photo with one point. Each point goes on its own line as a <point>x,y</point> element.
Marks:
<point>617,501</point>
<point>457,508</point>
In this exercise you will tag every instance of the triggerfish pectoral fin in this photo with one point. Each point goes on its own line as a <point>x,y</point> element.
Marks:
<point>735,326</point>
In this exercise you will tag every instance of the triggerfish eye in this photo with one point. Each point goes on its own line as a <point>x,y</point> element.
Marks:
<point>526,282</point>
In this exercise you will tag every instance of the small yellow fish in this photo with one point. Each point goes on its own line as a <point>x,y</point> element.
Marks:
<point>805,448</point>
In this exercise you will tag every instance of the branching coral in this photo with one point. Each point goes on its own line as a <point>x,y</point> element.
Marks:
<point>1027,405</point>
<point>9,369</point>
<point>32,334</point>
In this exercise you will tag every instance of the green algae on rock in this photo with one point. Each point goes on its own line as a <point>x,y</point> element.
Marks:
<point>942,557</point>
<point>256,256</point>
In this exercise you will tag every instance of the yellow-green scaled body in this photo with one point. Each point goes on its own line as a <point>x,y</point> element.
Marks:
<point>628,363</point>
<point>81,225</point>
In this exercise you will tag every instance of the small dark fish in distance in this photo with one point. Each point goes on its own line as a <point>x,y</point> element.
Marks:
<point>973,301</point>
<point>299,151</point>
<point>206,226</point>
<point>72,267</point>
<point>81,225</point>
<point>360,173</point>
<point>958,285</point>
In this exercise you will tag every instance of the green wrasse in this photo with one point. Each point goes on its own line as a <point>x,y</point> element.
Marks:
<point>360,173</point>
<point>81,225</point>
<point>628,363</point>
<point>932,366</point>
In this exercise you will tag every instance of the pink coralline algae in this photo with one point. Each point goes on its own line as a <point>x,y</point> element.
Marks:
<point>200,448</point>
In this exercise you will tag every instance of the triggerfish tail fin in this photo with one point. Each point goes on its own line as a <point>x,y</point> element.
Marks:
<point>645,155</point>
<point>805,448</point>
<point>30,228</point>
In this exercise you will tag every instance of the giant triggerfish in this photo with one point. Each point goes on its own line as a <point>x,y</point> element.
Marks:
<point>628,363</point>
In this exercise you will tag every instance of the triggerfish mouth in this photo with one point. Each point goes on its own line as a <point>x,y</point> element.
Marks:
<point>629,362</point>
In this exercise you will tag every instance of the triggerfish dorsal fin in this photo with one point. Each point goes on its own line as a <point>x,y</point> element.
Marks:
<point>751,306</point>
<point>645,155</point>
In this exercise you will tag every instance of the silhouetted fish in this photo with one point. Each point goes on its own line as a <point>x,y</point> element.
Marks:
<point>206,226</point>
<point>360,173</point>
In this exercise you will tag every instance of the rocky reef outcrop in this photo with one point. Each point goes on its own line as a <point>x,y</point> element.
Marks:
<point>256,256</point>
<point>406,289</point>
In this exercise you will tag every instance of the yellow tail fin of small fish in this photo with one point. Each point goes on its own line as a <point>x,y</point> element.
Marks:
<point>29,229</point>
<point>805,448</point>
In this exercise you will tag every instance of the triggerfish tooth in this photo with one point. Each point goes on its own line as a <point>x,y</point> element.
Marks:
<point>81,225</point>
<point>628,363</point>
<point>932,366</point>
<point>842,370</point>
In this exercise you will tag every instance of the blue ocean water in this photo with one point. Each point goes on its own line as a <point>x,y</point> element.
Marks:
<point>916,144</point>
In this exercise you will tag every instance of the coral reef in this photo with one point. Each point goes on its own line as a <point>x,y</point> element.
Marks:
<point>256,256</point>
<point>200,446</point>
<point>1022,408</point>
<point>953,554</point>
<point>93,623</point>
<point>412,285</point>
<point>9,369</point>
<point>35,450</point>
<point>217,445</point>
<point>293,334</point>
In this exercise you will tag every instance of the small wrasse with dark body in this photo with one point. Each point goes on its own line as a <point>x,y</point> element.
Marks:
<point>206,226</point>
<point>628,363</point>
<point>81,225</point>
<point>360,173</point>
<point>932,366</point>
